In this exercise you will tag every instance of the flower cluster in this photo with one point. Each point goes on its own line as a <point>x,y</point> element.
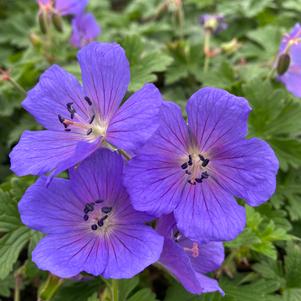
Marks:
<point>132,163</point>
<point>84,25</point>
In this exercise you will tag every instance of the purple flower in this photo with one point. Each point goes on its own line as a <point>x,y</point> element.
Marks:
<point>63,7</point>
<point>213,22</point>
<point>84,30</point>
<point>89,222</point>
<point>195,170</point>
<point>79,119</point>
<point>189,260</point>
<point>291,44</point>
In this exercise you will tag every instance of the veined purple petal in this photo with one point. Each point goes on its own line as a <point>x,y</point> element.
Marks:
<point>246,169</point>
<point>105,75</point>
<point>70,253</point>
<point>52,209</point>
<point>49,98</point>
<point>70,7</point>
<point>84,30</point>
<point>136,120</point>
<point>131,249</point>
<point>154,178</point>
<point>39,152</point>
<point>174,259</point>
<point>208,213</point>
<point>216,117</point>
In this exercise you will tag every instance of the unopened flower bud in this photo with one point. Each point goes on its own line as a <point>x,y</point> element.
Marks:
<point>35,39</point>
<point>231,46</point>
<point>283,63</point>
<point>43,22</point>
<point>57,22</point>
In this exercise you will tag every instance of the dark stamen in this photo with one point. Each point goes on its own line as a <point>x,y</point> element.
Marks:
<point>201,157</point>
<point>100,223</point>
<point>205,162</point>
<point>190,182</point>
<point>67,130</point>
<point>89,131</point>
<point>205,175</point>
<point>70,108</point>
<point>94,227</point>
<point>98,201</point>
<point>88,100</point>
<point>92,119</point>
<point>61,119</point>
<point>72,115</point>
<point>184,165</point>
<point>199,180</point>
<point>190,160</point>
<point>86,210</point>
<point>90,206</point>
<point>106,209</point>
<point>86,217</point>
<point>188,172</point>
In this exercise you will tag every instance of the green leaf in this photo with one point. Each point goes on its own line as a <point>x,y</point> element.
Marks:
<point>144,61</point>
<point>6,285</point>
<point>144,294</point>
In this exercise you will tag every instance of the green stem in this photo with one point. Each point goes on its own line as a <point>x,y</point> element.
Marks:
<point>17,288</point>
<point>115,290</point>
<point>207,49</point>
<point>17,86</point>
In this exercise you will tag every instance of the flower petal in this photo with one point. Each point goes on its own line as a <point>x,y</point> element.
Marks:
<point>175,260</point>
<point>209,213</point>
<point>52,209</point>
<point>246,169</point>
<point>137,119</point>
<point>70,7</point>
<point>217,117</point>
<point>131,249</point>
<point>50,96</point>
<point>39,152</point>
<point>68,254</point>
<point>105,75</point>
<point>154,178</point>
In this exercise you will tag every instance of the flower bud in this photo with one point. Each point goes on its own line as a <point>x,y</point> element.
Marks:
<point>35,39</point>
<point>283,63</point>
<point>231,46</point>
<point>43,22</point>
<point>57,22</point>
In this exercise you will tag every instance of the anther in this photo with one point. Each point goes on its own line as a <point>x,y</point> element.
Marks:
<point>70,108</point>
<point>205,175</point>
<point>92,119</point>
<point>72,115</point>
<point>106,209</point>
<point>89,131</point>
<point>205,162</point>
<point>94,227</point>
<point>88,100</point>
<point>67,130</point>
<point>86,217</point>
<point>61,119</point>
<point>184,165</point>
<point>190,160</point>
<point>100,223</point>
<point>98,201</point>
<point>90,206</point>
<point>188,172</point>
<point>201,157</point>
<point>199,180</point>
<point>190,182</point>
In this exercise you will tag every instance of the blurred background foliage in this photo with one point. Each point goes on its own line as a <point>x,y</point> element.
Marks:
<point>165,46</point>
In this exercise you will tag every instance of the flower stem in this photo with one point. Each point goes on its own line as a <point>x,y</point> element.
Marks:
<point>207,49</point>
<point>115,290</point>
<point>17,86</point>
<point>17,287</point>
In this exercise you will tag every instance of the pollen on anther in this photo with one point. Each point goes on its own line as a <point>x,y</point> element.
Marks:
<point>106,209</point>
<point>86,217</point>
<point>199,180</point>
<point>98,201</point>
<point>89,131</point>
<point>94,227</point>
<point>67,130</point>
<point>88,100</point>
<point>61,119</point>
<point>100,223</point>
